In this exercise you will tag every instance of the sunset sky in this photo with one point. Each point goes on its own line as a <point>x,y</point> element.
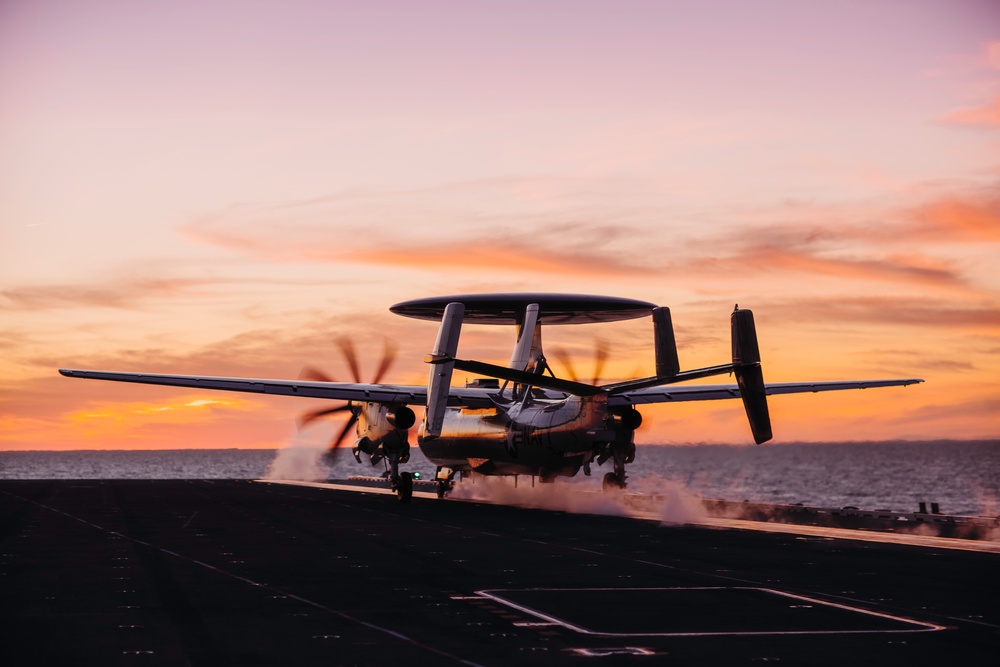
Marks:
<point>223,188</point>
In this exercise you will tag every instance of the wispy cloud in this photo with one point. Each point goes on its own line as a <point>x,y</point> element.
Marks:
<point>918,360</point>
<point>921,312</point>
<point>986,116</point>
<point>119,294</point>
<point>982,115</point>
<point>604,242</point>
<point>127,290</point>
<point>487,255</point>
<point>969,218</point>
<point>807,259</point>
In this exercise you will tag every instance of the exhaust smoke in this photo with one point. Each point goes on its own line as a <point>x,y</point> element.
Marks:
<point>646,498</point>
<point>301,459</point>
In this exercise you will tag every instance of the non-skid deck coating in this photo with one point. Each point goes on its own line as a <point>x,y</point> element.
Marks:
<point>218,573</point>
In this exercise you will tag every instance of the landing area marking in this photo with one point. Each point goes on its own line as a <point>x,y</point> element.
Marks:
<point>703,611</point>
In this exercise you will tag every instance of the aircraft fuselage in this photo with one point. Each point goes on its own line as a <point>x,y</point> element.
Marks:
<point>543,437</point>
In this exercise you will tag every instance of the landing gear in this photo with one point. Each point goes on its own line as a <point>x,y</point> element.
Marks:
<point>404,487</point>
<point>621,451</point>
<point>445,481</point>
<point>613,482</point>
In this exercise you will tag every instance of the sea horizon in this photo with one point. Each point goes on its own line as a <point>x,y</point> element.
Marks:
<point>961,476</point>
<point>901,441</point>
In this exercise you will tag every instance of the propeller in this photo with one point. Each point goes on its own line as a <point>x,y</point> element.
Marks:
<point>308,417</point>
<point>630,419</point>
<point>312,373</point>
<point>601,351</point>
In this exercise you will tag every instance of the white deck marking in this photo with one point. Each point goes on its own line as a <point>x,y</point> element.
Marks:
<point>922,626</point>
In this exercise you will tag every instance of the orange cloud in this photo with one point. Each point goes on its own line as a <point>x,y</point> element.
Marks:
<point>969,219</point>
<point>129,421</point>
<point>795,252</point>
<point>922,312</point>
<point>486,255</point>
<point>983,116</point>
<point>602,238</point>
<point>583,247</point>
<point>120,294</point>
<point>180,410</point>
<point>191,421</point>
<point>903,268</point>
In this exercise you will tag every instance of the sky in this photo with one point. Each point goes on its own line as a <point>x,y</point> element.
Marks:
<point>225,188</point>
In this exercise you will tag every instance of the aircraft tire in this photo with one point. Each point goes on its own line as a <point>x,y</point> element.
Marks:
<point>404,489</point>
<point>612,483</point>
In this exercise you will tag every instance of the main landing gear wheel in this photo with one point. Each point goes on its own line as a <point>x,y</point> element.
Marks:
<point>404,487</point>
<point>613,482</point>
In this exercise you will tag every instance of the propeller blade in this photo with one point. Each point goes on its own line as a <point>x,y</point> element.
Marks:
<point>308,417</point>
<point>335,443</point>
<point>388,356</point>
<point>347,347</point>
<point>313,373</point>
<point>600,357</point>
<point>564,359</point>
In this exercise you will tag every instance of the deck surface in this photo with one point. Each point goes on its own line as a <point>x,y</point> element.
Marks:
<point>181,572</point>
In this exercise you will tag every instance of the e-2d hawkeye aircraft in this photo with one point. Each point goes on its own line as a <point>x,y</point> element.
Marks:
<point>534,423</point>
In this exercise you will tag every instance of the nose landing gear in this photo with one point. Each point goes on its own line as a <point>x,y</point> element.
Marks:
<point>403,486</point>
<point>612,482</point>
<point>621,450</point>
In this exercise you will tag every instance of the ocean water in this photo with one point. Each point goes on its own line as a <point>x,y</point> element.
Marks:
<point>963,477</point>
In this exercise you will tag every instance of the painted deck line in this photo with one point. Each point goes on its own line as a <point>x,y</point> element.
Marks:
<point>920,626</point>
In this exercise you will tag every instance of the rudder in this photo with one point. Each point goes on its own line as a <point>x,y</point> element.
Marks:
<point>749,376</point>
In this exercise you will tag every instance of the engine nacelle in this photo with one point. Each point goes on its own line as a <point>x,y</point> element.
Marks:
<point>628,418</point>
<point>402,418</point>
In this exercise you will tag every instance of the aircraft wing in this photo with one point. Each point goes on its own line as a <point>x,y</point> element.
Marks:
<point>474,397</point>
<point>712,392</point>
<point>344,391</point>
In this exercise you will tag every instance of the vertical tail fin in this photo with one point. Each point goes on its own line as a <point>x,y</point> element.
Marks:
<point>666,346</point>
<point>749,377</point>
<point>439,382</point>
<point>529,340</point>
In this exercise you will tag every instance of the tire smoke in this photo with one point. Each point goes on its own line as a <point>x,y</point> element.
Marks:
<point>646,498</point>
